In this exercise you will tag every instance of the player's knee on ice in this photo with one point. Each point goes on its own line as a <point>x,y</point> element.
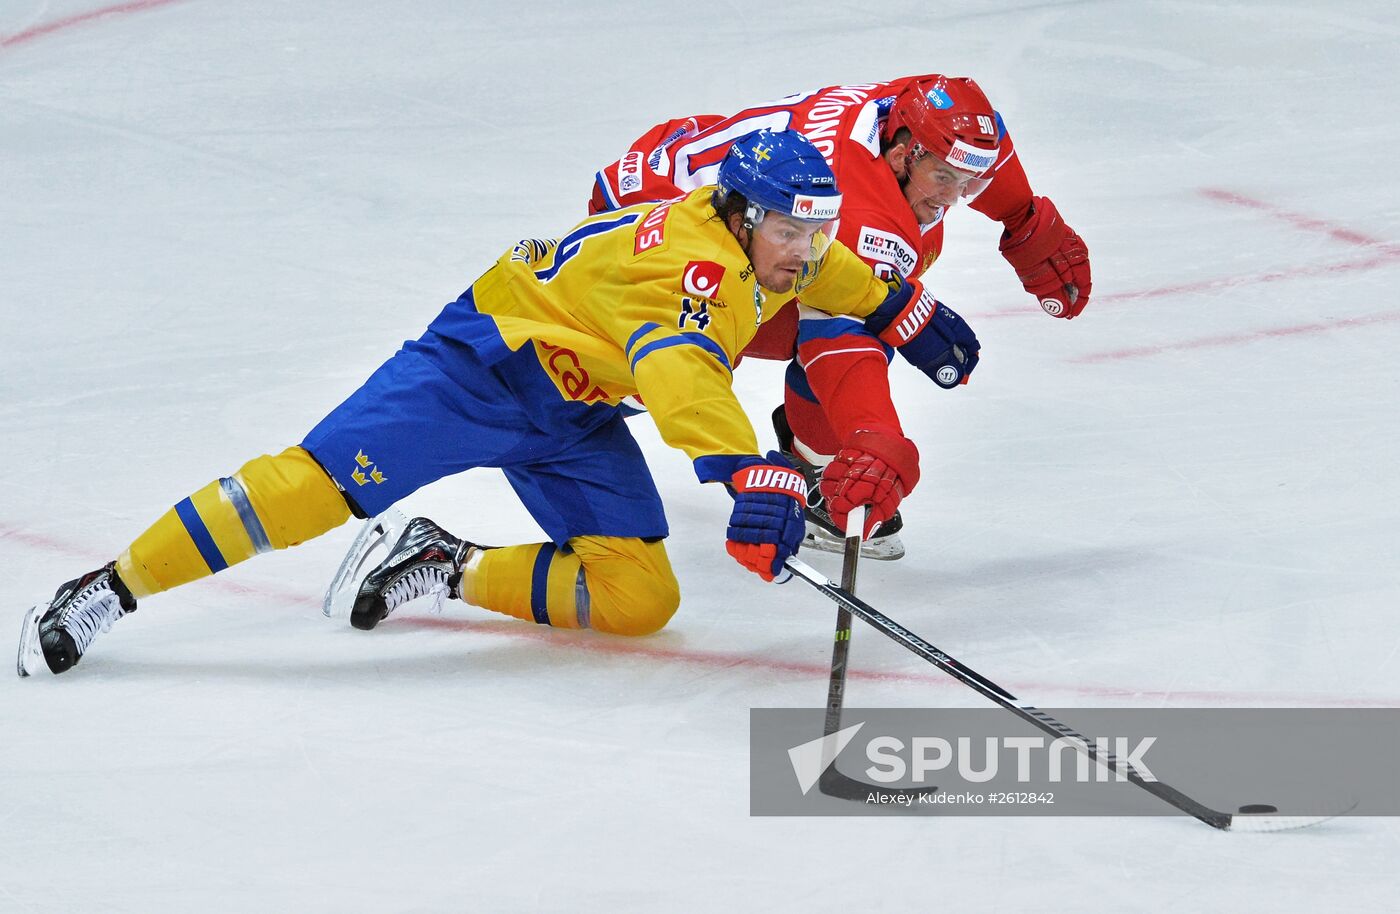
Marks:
<point>631,587</point>
<point>617,584</point>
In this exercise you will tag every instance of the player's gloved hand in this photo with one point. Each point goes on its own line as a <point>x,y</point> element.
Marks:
<point>876,469</point>
<point>1050,259</point>
<point>929,334</point>
<point>768,523</point>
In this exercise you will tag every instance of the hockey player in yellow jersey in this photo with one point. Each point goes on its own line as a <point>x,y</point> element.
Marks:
<point>529,371</point>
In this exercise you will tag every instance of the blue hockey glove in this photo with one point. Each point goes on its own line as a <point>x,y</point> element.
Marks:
<point>768,523</point>
<point>929,334</point>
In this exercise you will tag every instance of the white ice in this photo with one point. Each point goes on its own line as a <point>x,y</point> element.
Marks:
<point>217,218</point>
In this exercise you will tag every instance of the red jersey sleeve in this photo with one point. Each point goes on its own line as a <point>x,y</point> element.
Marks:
<point>1007,197</point>
<point>638,177</point>
<point>846,366</point>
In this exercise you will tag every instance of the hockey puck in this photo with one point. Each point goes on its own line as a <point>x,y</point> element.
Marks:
<point>1257,808</point>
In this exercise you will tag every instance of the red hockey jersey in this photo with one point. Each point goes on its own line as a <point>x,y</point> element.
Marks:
<point>845,366</point>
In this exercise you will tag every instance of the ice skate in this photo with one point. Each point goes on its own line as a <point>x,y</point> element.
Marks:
<point>425,561</point>
<point>822,534</point>
<point>371,546</point>
<point>55,635</point>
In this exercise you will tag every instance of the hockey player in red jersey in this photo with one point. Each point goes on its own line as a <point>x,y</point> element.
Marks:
<point>903,151</point>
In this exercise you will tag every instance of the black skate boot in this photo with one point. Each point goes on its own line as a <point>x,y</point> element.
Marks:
<point>823,535</point>
<point>426,560</point>
<point>61,631</point>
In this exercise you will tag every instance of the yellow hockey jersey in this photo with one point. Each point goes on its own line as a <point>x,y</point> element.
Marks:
<point>655,300</point>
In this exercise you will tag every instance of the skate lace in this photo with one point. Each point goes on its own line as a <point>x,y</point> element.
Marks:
<point>426,580</point>
<point>91,611</point>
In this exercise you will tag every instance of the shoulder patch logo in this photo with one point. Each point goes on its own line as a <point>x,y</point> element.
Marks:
<point>629,172</point>
<point>651,231</point>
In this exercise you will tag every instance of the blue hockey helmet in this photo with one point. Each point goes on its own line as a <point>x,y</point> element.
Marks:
<point>779,171</point>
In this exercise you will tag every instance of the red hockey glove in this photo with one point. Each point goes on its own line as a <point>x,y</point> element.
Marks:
<point>1050,260</point>
<point>875,469</point>
<point>768,522</point>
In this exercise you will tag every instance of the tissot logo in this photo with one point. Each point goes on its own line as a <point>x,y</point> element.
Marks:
<point>887,248</point>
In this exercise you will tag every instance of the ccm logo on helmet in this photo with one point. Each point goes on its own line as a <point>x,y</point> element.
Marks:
<point>772,479</point>
<point>701,278</point>
<point>814,208</point>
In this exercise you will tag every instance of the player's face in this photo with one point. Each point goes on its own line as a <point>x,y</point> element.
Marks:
<point>932,185</point>
<point>779,247</point>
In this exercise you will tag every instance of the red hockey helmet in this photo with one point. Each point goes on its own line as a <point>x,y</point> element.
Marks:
<point>948,117</point>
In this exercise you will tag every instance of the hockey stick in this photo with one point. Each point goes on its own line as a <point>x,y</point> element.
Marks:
<point>833,782</point>
<point>1253,819</point>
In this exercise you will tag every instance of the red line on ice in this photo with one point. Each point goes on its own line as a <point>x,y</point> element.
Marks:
<point>48,28</point>
<point>1385,256</point>
<point>1382,254</point>
<point>1235,339</point>
<point>70,551</point>
<point>592,643</point>
<point>589,643</point>
<point>1297,220</point>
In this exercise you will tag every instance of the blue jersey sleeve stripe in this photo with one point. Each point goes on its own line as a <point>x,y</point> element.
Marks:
<point>718,467</point>
<point>829,329</point>
<point>683,339</point>
<point>203,541</point>
<point>642,331</point>
<point>569,245</point>
<point>710,346</point>
<point>796,379</point>
<point>602,182</point>
<point>539,584</point>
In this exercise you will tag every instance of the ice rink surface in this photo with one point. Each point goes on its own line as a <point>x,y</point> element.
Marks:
<point>216,219</point>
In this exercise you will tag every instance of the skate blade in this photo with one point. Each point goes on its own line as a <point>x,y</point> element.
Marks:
<point>30,658</point>
<point>885,549</point>
<point>371,546</point>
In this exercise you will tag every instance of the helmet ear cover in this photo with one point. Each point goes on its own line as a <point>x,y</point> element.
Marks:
<point>753,215</point>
